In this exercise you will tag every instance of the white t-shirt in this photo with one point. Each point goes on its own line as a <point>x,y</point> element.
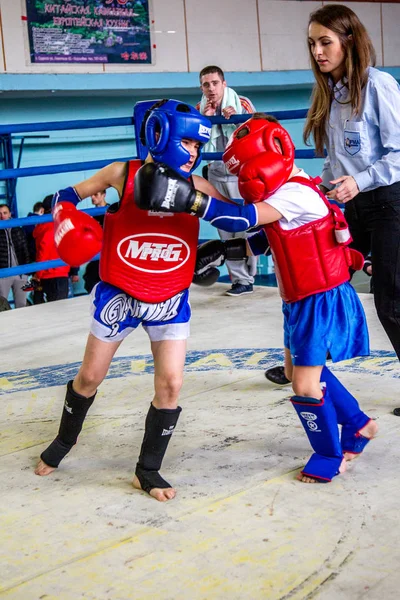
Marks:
<point>297,203</point>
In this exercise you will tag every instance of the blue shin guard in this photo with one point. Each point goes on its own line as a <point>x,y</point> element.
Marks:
<point>348,412</point>
<point>319,420</point>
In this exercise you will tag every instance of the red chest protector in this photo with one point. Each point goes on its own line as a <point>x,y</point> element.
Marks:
<point>150,256</point>
<point>310,259</point>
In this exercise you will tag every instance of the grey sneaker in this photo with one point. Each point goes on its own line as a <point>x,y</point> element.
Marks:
<point>239,289</point>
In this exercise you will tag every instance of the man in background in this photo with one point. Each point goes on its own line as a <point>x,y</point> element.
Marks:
<point>36,293</point>
<point>219,99</point>
<point>38,210</point>
<point>13,252</point>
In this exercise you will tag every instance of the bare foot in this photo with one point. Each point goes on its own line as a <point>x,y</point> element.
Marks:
<point>160,494</point>
<point>369,431</point>
<point>307,479</point>
<point>42,469</point>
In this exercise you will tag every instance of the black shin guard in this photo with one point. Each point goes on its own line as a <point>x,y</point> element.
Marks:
<point>160,424</point>
<point>73,416</point>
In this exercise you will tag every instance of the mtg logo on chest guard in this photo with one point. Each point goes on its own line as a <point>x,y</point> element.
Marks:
<point>153,252</point>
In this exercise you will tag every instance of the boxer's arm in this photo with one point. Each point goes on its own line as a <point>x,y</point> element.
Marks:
<point>206,187</point>
<point>266,212</point>
<point>239,218</point>
<point>112,175</point>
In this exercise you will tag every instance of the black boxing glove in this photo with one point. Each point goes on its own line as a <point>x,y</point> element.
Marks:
<point>213,254</point>
<point>207,277</point>
<point>160,188</point>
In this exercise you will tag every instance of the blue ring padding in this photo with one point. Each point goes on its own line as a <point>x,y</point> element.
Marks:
<point>297,154</point>
<point>37,266</point>
<point>124,121</point>
<point>22,221</point>
<point>281,115</point>
<point>65,168</point>
<point>62,125</point>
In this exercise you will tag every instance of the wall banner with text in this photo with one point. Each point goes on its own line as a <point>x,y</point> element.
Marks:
<point>89,31</point>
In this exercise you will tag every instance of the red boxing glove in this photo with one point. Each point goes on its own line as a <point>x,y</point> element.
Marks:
<point>77,235</point>
<point>355,260</point>
<point>261,176</point>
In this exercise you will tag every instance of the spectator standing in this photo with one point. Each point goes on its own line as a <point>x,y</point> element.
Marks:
<point>13,252</point>
<point>355,115</point>
<point>36,296</point>
<point>38,210</point>
<point>55,281</point>
<point>219,99</point>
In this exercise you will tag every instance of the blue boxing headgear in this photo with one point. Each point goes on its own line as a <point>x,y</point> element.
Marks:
<point>173,121</point>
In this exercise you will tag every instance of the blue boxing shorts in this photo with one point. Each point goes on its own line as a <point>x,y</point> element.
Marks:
<point>331,321</point>
<point>115,314</point>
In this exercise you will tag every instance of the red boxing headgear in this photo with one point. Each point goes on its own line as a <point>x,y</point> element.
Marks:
<point>252,153</point>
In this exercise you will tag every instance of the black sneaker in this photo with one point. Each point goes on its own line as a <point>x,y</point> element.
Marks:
<point>277,375</point>
<point>239,289</point>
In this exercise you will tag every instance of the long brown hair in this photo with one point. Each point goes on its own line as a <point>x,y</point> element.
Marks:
<point>359,55</point>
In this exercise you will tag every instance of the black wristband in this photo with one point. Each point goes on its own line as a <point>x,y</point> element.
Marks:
<point>199,203</point>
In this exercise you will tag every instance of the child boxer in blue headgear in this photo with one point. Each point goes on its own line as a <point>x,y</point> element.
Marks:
<point>146,267</point>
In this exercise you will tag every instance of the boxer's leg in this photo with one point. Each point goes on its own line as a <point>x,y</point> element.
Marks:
<point>357,427</point>
<point>159,426</point>
<point>73,416</point>
<point>169,358</point>
<point>79,397</point>
<point>288,364</point>
<point>318,417</point>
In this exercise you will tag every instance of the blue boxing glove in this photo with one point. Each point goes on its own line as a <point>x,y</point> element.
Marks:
<point>230,217</point>
<point>68,195</point>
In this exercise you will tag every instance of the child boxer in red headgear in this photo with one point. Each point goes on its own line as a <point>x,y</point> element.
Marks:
<point>309,242</point>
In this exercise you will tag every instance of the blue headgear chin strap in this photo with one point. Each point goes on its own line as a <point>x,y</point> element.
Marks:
<point>173,121</point>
